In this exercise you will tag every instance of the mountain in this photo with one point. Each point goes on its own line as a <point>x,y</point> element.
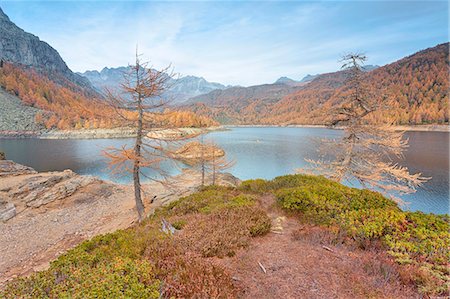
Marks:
<point>20,47</point>
<point>309,78</point>
<point>239,96</point>
<point>38,91</point>
<point>239,104</point>
<point>370,67</point>
<point>107,78</point>
<point>180,89</point>
<point>285,80</point>
<point>414,88</point>
<point>190,86</point>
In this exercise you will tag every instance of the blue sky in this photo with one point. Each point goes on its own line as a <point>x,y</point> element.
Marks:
<point>234,42</point>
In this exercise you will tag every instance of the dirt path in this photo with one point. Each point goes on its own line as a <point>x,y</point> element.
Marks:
<point>293,263</point>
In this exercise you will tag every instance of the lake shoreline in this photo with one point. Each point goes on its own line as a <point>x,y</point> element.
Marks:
<point>116,133</point>
<point>407,128</point>
<point>162,133</point>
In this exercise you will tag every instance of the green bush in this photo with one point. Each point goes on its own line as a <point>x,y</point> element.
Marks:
<point>208,200</point>
<point>257,185</point>
<point>322,201</point>
<point>365,216</point>
<point>143,262</point>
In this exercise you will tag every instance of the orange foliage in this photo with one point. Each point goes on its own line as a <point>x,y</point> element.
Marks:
<point>68,107</point>
<point>413,90</point>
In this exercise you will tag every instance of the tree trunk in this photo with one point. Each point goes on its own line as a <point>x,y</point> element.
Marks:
<point>136,167</point>
<point>214,169</point>
<point>203,161</point>
<point>203,172</point>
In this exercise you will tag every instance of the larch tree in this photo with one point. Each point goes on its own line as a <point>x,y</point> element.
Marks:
<point>367,152</point>
<point>216,164</point>
<point>140,106</point>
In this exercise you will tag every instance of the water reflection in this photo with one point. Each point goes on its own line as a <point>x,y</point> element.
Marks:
<point>259,153</point>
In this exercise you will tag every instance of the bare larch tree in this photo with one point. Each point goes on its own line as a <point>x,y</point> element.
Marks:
<point>217,164</point>
<point>367,152</point>
<point>140,106</point>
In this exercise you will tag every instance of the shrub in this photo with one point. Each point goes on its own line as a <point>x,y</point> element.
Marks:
<point>367,217</point>
<point>208,200</point>
<point>143,262</point>
<point>258,186</point>
<point>118,278</point>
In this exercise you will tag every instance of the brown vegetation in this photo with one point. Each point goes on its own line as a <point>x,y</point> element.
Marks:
<point>415,89</point>
<point>67,106</point>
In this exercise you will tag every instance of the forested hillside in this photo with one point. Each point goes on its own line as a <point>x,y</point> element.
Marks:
<point>67,106</point>
<point>413,90</point>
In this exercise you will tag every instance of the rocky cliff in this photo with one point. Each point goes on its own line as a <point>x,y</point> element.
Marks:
<point>18,46</point>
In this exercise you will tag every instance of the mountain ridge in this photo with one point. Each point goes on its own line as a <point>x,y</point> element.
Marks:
<point>416,88</point>
<point>24,48</point>
<point>180,89</point>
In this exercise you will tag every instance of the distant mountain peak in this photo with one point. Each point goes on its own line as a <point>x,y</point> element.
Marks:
<point>181,88</point>
<point>309,78</point>
<point>3,16</point>
<point>285,80</point>
<point>370,67</point>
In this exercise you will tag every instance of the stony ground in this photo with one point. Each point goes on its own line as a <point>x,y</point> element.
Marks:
<point>55,211</point>
<point>14,116</point>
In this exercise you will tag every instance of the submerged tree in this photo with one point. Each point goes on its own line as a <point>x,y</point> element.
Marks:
<point>367,152</point>
<point>140,106</point>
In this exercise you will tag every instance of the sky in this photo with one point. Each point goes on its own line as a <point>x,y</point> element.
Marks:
<point>232,42</point>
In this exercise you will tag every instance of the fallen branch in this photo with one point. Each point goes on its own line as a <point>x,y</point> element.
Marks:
<point>262,268</point>
<point>327,248</point>
<point>276,232</point>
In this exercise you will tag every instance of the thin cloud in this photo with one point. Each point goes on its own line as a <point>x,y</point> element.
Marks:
<point>239,43</point>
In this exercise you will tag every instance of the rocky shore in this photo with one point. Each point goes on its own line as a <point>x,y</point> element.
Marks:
<point>104,133</point>
<point>44,214</point>
<point>194,151</point>
<point>89,134</point>
<point>414,128</point>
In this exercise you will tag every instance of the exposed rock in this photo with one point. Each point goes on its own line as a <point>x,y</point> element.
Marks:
<point>196,151</point>
<point>7,211</point>
<point>39,190</point>
<point>173,134</point>
<point>227,179</point>
<point>15,116</point>
<point>90,133</point>
<point>23,187</point>
<point>222,178</point>
<point>8,167</point>
<point>31,187</point>
<point>58,192</point>
<point>21,47</point>
<point>2,156</point>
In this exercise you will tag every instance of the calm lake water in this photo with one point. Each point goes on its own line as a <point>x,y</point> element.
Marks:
<point>259,153</point>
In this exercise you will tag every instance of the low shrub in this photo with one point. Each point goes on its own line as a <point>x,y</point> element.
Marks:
<point>218,221</point>
<point>369,218</point>
<point>144,262</point>
<point>208,200</point>
<point>223,232</point>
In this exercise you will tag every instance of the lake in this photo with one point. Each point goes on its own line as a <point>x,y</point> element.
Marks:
<point>259,153</point>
